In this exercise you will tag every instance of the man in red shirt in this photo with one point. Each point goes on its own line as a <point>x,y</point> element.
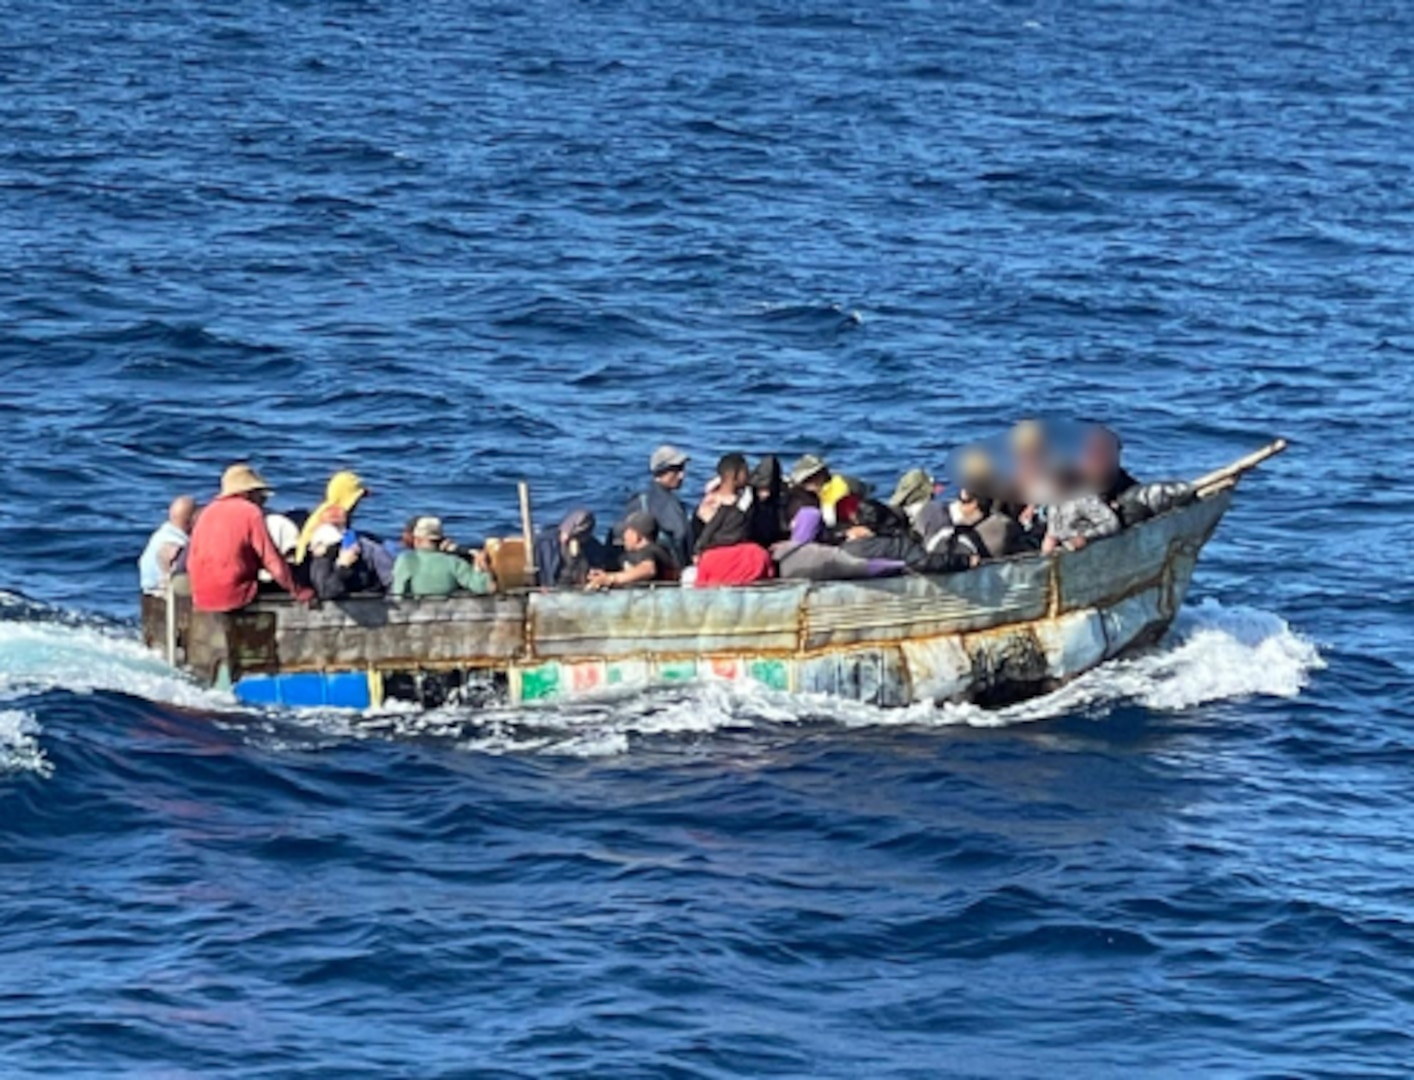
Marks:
<point>230,544</point>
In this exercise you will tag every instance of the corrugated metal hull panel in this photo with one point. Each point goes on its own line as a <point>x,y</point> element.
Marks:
<point>844,614</point>
<point>472,631</point>
<point>667,622</point>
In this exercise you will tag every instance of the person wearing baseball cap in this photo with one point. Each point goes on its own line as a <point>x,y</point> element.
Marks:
<point>668,466</point>
<point>645,560</point>
<point>429,570</point>
<point>667,458</point>
<point>230,545</point>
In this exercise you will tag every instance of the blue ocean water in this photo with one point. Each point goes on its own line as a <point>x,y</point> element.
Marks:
<point>457,245</point>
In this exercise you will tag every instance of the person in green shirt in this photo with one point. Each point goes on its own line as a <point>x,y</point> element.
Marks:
<point>426,570</point>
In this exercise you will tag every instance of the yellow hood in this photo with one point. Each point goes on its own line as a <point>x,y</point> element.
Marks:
<point>344,491</point>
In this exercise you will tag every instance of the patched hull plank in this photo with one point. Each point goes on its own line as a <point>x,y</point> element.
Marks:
<point>845,614</point>
<point>666,622</point>
<point>470,630</point>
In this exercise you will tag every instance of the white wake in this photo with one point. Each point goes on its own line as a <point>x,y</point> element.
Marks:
<point>1214,653</point>
<point>39,656</point>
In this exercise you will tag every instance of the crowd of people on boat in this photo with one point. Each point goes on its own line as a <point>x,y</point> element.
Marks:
<point>752,524</point>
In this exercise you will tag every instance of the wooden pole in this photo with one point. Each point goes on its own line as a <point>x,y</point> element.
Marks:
<point>1229,473</point>
<point>171,623</point>
<point>527,531</point>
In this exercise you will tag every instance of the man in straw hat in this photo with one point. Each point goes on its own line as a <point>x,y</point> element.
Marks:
<point>809,473</point>
<point>230,544</point>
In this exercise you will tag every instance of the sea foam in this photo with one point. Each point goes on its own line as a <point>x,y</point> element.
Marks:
<point>1213,653</point>
<point>19,744</point>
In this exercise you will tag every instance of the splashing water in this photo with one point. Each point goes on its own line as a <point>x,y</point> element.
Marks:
<point>19,744</point>
<point>1214,653</point>
<point>39,656</point>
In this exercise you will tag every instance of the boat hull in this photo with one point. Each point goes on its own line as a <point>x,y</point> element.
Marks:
<point>1003,632</point>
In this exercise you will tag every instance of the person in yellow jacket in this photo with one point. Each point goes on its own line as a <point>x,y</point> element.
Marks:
<point>345,491</point>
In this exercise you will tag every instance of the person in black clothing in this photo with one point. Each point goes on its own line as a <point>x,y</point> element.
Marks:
<point>727,527</point>
<point>645,560</point>
<point>336,562</point>
<point>768,507</point>
<point>722,519</point>
<point>660,499</point>
<point>566,555</point>
<point>876,534</point>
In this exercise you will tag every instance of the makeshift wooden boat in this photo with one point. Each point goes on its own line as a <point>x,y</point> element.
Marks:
<point>1002,632</point>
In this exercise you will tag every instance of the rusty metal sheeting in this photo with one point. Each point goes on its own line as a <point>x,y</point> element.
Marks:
<point>1109,569</point>
<point>209,652</point>
<point>843,614</point>
<point>759,620</point>
<point>938,669</point>
<point>874,676</point>
<point>1013,661</point>
<point>467,630</point>
<point>1071,643</point>
<point>278,635</point>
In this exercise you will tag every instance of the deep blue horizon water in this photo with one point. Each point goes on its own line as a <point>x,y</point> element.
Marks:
<point>454,246</point>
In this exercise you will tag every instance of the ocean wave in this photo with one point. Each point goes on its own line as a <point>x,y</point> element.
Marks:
<point>807,320</point>
<point>19,744</point>
<point>91,657</point>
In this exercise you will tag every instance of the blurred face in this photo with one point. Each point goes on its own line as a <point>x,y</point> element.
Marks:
<point>633,539</point>
<point>968,505</point>
<point>816,482</point>
<point>1099,459</point>
<point>672,478</point>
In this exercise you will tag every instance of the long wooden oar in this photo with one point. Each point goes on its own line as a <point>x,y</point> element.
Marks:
<point>1229,474</point>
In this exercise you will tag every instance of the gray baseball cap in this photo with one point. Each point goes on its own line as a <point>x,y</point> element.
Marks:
<point>666,457</point>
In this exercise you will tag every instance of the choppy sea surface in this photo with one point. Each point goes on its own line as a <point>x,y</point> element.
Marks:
<point>454,245</point>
